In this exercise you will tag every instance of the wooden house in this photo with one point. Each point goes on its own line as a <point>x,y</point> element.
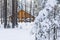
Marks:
<point>24,16</point>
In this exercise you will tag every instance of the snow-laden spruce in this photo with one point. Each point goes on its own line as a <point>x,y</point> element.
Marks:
<point>46,21</point>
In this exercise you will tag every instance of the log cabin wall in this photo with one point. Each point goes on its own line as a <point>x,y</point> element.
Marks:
<point>22,15</point>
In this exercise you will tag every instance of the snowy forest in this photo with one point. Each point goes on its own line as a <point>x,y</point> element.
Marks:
<point>29,19</point>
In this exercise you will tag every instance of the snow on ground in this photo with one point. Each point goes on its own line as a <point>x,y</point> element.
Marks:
<point>23,33</point>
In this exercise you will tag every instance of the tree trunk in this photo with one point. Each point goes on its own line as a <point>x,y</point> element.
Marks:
<point>5,13</point>
<point>14,13</point>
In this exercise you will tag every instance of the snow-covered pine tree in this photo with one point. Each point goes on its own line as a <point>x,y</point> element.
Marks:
<point>46,19</point>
